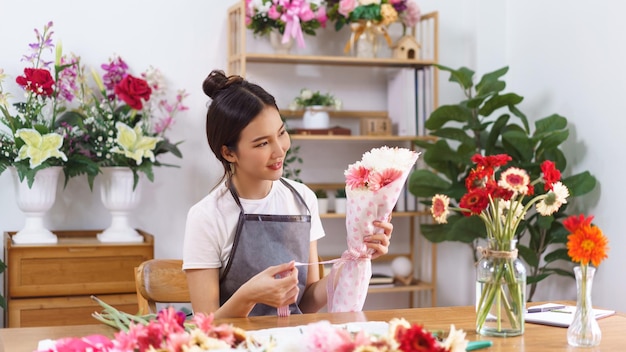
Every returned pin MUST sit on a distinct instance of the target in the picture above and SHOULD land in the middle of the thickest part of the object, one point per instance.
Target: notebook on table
(558, 314)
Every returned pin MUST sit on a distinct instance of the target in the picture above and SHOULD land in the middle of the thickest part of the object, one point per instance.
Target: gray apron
(262, 241)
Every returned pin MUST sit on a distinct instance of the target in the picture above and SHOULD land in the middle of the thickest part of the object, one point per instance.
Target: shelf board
(418, 286)
(339, 114)
(332, 60)
(348, 138)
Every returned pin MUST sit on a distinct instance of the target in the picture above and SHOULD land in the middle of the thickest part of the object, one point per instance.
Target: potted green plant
(489, 122)
(322, 200)
(316, 106)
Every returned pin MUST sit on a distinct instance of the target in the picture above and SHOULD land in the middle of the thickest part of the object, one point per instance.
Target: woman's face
(262, 147)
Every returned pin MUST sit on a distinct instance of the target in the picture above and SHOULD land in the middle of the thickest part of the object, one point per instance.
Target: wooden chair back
(160, 281)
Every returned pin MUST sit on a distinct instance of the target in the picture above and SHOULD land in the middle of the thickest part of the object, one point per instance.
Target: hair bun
(216, 81)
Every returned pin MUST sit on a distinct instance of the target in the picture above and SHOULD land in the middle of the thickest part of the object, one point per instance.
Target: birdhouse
(406, 48)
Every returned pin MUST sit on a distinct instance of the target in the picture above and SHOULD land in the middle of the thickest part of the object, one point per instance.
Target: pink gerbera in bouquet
(373, 186)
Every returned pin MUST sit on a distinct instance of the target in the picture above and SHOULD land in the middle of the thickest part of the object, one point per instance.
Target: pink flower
(321, 16)
(305, 13)
(378, 180)
(347, 6)
(203, 322)
(324, 337)
(412, 15)
(273, 13)
(95, 343)
(357, 176)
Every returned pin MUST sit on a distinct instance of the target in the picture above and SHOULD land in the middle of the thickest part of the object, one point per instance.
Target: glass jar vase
(584, 330)
(500, 290)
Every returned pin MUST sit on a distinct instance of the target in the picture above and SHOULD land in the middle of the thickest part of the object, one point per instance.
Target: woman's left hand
(380, 242)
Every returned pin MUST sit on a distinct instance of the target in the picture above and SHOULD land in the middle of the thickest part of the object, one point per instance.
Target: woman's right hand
(275, 286)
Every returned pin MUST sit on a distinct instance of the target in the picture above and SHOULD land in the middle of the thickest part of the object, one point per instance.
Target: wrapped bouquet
(373, 186)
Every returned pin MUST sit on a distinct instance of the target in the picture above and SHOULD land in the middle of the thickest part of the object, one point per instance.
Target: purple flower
(115, 72)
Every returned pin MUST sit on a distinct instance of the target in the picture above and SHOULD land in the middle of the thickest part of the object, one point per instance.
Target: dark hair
(235, 102)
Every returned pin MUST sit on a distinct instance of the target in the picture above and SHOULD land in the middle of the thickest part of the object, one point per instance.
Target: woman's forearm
(315, 296)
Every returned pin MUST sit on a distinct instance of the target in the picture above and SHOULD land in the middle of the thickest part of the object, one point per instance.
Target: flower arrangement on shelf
(384, 12)
(291, 18)
(170, 330)
(126, 118)
(586, 244)
(499, 200)
(38, 136)
(308, 98)
(371, 18)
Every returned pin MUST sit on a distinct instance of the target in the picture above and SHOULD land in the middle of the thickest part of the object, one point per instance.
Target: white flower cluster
(385, 157)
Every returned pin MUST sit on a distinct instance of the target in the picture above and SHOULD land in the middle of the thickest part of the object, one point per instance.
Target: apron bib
(262, 241)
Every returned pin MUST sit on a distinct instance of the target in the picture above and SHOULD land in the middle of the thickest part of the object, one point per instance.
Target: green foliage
(340, 193)
(488, 121)
(292, 158)
(321, 193)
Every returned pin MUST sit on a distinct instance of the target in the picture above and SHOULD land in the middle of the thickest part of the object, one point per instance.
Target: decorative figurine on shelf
(406, 48)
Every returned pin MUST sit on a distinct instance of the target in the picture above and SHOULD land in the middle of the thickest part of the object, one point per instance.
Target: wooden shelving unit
(427, 34)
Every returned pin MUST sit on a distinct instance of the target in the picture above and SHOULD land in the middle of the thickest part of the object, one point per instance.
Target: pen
(476, 345)
(543, 309)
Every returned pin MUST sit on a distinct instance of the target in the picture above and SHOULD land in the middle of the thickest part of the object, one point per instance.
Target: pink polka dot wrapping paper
(373, 186)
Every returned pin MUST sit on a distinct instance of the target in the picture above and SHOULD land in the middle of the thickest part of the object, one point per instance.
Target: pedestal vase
(120, 198)
(584, 330)
(34, 202)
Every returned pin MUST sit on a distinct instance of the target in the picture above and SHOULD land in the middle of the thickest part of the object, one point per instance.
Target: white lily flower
(133, 143)
(39, 148)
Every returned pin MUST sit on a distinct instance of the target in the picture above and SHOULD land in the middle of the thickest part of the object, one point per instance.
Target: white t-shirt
(211, 222)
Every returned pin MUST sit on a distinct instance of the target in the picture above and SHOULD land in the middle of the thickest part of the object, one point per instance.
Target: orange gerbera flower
(587, 244)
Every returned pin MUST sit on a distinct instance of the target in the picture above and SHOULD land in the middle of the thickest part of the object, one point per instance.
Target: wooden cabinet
(51, 284)
(239, 62)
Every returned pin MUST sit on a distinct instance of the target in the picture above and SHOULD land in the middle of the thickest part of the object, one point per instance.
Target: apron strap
(240, 222)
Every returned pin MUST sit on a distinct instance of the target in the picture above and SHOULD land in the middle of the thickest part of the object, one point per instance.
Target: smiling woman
(242, 240)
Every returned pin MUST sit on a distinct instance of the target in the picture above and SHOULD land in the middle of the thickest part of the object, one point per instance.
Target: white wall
(557, 63)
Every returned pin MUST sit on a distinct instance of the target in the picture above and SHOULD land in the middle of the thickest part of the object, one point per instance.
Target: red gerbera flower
(573, 222)
(416, 339)
(475, 200)
(491, 161)
(550, 174)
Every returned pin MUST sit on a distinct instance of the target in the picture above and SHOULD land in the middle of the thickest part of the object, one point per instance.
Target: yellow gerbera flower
(133, 144)
(39, 148)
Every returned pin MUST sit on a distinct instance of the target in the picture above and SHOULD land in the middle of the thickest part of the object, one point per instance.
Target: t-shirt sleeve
(201, 248)
(317, 230)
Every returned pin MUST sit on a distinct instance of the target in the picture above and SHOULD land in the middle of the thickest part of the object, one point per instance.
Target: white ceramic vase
(315, 117)
(340, 205)
(119, 197)
(35, 202)
(322, 205)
